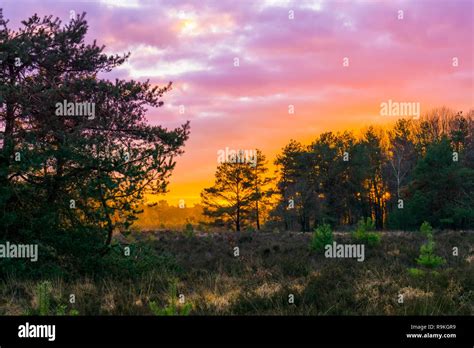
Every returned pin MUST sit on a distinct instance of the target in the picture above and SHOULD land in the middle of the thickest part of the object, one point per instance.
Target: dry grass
(271, 266)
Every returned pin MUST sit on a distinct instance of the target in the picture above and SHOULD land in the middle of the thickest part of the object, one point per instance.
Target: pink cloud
(282, 62)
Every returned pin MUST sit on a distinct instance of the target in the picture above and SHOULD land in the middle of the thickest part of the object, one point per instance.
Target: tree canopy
(86, 174)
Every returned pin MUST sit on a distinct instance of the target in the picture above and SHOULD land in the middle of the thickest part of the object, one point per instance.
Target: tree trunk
(258, 217)
(237, 220)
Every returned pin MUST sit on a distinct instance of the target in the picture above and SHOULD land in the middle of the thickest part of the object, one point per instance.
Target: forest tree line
(415, 171)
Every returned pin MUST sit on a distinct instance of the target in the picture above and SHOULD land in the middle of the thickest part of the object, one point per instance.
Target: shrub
(372, 238)
(61, 310)
(44, 307)
(367, 225)
(143, 258)
(43, 293)
(172, 308)
(430, 261)
(364, 232)
(426, 229)
(321, 237)
(189, 230)
(415, 272)
(427, 256)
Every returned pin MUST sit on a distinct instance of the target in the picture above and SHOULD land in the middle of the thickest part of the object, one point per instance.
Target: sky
(256, 73)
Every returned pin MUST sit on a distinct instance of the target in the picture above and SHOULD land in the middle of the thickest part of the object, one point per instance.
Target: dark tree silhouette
(67, 177)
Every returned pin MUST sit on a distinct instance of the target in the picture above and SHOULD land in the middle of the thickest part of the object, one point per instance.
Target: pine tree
(229, 200)
(78, 177)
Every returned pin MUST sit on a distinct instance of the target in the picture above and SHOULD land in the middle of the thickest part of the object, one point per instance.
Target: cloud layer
(288, 53)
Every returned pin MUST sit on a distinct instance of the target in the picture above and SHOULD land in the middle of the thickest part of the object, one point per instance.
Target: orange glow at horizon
(193, 174)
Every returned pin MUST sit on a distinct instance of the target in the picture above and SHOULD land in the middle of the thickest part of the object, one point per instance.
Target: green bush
(426, 229)
(367, 225)
(322, 236)
(43, 292)
(44, 306)
(61, 310)
(189, 230)
(430, 261)
(427, 256)
(364, 233)
(415, 272)
(142, 259)
(172, 308)
(372, 238)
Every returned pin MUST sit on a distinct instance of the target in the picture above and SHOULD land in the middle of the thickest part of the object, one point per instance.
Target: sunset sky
(282, 61)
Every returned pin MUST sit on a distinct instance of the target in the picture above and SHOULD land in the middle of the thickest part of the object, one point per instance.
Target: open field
(269, 268)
